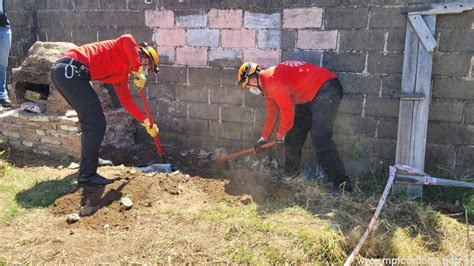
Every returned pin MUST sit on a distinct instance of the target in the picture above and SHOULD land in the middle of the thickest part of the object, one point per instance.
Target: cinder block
(439, 111)
(449, 133)
(202, 37)
(263, 57)
(385, 64)
(46, 18)
(469, 114)
(176, 74)
(166, 124)
(238, 38)
(311, 56)
(53, 4)
(269, 39)
(172, 108)
(193, 126)
(225, 130)
(344, 62)
(392, 86)
(191, 56)
(204, 75)
(351, 104)
(129, 19)
(386, 17)
(300, 18)
(227, 95)
(451, 65)
(169, 37)
(262, 21)
(455, 21)
(83, 36)
(142, 34)
(113, 5)
(355, 125)
(159, 18)
(225, 57)
(439, 156)
(238, 114)
(109, 34)
(194, 93)
(141, 5)
(186, 19)
(382, 106)
(465, 157)
(346, 17)
(229, 76)
(453, 88)
(252, 100)
(167, 54)
(310, 39)
(161, 90)
(86, 4)
(387, 128)
(59, 34)
(251, 133)
(204, 111)
(456, 41)
(288, 39)
(225, 18)
(201, 142)
(365, 40)
(360, 83)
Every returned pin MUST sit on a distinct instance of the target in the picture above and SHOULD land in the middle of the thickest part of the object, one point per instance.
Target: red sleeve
(130, 48)
(125, 97)
(282, 101)
(270, 118)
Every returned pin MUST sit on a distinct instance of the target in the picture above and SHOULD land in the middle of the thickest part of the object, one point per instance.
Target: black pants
(79, 93)
(317, 116)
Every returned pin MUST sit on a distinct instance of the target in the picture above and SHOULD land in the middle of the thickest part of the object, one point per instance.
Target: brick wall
(202, 42)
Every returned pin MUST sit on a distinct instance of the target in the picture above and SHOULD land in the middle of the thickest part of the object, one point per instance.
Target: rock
(126, 203)
(180, 189)
(103, 162)
(266, 160)
(186, 178)
(203, 154)
(246, 199)
(274, 164)
(184, 153)
(60, 167)
(87, 211)
(72, 218)
(106, 226)
(71, 113)
(219, 152)
(73, 165)
(132, 171)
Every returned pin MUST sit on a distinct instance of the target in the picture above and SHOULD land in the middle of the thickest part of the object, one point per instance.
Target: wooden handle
(243, 153)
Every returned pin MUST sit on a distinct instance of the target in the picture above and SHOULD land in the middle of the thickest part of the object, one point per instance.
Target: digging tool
(243, 153)
(33, 107)
(147, 110)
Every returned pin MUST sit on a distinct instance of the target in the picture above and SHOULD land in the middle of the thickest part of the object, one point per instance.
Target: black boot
(94, 180)
(6, 103)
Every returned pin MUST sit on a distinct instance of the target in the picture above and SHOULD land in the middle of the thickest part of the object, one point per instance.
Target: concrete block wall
(201, 43)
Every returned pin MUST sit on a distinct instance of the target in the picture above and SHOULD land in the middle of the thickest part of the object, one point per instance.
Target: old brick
(263, 57)
(56, 5)
(225, 130)
(85, 35)
(344, 62)
(141, 5)
(346, 17)
(201, 142)
(46, 18)
(385, 64)
(269, 39)
(176, 74)
(351, 104)
(225, 18)
(314, 57)
(396, 40)
(310, 39)
(355, 125)
(204, 75)
(229, 76)
(59, 35)
(262, 21)
(142, 34)
(288, 39)
(465, 156)
(453, 88)
(86, 4)
(191, 19)
(382, 107)
(251, 133)
(204, 111)
(366, 40)
(117, 4)
(202, 37)
(438, 111)
(167, 124)
(392, 86)
(159, 18)
(161, 90)
(451, 65)
(238, 38)
(193, 126)
(238, 114)
(387, 128)
(386, 17)
(360, 83)
(455, 21)
(252, 100)
(299, 18)
(456, 41)
(225, 57)
(193, 93)
(167, 54)
(191, 56)
(109, 34)
(469, 114)
(449, 133)
(439, 156)
(169, 37)
(53, 141)
(129, 19)
(227, 95)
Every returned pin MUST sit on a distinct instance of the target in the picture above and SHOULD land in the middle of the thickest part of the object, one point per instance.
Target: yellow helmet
(246, 70)
(149, 51)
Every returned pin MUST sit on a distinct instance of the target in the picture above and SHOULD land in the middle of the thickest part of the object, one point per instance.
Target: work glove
(280, 141)
(151, 130)
(139, 79)
(258, 146)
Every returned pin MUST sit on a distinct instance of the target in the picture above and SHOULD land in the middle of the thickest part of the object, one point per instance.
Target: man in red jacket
(307, 97)
(111, 62)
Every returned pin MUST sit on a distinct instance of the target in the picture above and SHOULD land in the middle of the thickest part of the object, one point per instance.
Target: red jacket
(111, 62)
(284, 86)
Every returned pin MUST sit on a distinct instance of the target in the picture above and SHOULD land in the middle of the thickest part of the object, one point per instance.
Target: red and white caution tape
(392, 172)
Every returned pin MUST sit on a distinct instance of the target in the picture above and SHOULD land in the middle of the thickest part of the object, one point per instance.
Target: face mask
(255, 91)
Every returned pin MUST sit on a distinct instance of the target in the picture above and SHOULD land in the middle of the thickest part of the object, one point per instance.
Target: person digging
(110, 61)
(307, 97)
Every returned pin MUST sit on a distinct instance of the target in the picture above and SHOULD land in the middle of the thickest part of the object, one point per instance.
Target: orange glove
(151, 130)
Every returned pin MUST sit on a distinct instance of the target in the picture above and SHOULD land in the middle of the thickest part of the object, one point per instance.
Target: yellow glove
(151, 130)
(139, 79)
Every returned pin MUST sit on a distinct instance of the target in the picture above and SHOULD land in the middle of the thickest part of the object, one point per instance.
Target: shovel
(243, 153)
